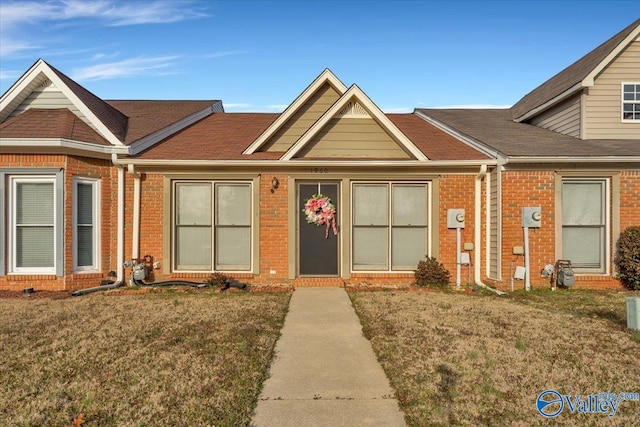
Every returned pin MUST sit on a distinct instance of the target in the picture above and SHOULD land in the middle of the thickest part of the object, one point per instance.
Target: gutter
(560, 159)
(477, 232)
(309, 163)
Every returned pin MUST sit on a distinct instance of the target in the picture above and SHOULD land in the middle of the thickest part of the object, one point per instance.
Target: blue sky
(259, 55)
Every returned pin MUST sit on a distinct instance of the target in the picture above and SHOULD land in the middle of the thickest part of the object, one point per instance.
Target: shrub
(627, 258)
(219, 280)
(431, 272)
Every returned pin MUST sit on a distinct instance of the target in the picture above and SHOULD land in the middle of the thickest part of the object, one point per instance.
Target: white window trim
(13, 182)
(622, 102)
(95, 192)
(252, 226)
(605, 269)
(429, 225)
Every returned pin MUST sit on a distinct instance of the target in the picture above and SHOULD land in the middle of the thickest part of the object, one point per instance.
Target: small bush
(627, 258)
(219, 280)
(431, 272)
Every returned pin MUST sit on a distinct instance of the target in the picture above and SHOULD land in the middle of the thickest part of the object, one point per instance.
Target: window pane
(628, 88)
(233, 204)
(629, 96)
(582, 203)
(371, 204)
(583, 246)
(84, 208)
(370, 248)
(193, 204)
(85, 246)
(34, 247)
(407, 247)
(34, 203)
(409, 205)
(193, 248)
(233, 248)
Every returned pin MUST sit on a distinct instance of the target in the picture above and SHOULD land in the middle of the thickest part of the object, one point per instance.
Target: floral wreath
(320, 211)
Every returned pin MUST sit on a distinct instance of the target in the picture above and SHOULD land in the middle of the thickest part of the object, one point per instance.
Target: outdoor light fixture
(274, 184)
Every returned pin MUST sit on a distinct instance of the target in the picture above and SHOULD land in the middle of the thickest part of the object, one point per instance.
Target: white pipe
(120, 231)
(527, 276)
(135, 235)
(458, 233)
(477, 232)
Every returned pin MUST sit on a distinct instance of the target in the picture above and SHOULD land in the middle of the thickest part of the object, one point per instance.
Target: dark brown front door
(318, 251)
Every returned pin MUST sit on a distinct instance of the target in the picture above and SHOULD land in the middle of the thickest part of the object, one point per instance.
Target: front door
(317, 243)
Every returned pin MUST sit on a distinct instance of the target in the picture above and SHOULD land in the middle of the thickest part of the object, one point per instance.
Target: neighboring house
(86, 184)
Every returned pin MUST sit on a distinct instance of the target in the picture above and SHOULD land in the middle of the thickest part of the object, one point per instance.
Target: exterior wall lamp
(274, 184)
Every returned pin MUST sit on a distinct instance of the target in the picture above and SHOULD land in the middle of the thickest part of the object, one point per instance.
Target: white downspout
(120, 230)
(477, 231)
(135, 238)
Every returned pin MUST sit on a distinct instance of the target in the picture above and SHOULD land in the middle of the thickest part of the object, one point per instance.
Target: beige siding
(603, 105)
(563, 118)
(302, 120)
(494, 229)
(353, 138)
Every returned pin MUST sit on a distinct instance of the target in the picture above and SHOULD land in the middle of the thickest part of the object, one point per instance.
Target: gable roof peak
(576, 76)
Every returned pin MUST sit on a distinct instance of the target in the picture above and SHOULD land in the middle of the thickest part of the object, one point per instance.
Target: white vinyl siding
(390, 226)
(563, 118)
(33, 225)
(631, 102)
(212, 226)
(86, 226)
(584, 223)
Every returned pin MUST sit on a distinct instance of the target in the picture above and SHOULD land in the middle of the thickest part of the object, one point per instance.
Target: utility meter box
(532, 217)
(455, 218)
(566, 277)
(633, 313)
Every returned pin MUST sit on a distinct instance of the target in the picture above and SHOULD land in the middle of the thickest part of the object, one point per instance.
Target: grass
(456, 359)
(196, 358)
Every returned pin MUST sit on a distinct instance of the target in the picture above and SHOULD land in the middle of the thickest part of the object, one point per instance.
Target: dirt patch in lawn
(153, 359)
(483, 360)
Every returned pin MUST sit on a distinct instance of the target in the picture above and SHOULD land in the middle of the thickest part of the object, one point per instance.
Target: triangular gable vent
(353, 110)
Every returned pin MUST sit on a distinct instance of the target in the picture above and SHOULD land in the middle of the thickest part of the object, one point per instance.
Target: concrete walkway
(325, 372)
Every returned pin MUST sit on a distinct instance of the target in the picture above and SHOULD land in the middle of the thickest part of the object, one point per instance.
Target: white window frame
(13, 194)
(390, 226)
(95, 192)
(214, 225)
(606, 244)
(635, 102)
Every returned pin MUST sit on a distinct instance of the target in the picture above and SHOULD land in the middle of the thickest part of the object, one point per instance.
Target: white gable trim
(25, 144)
(325, 77)
(590, 79)
(157, 136)
(42, 67)
(373, 110)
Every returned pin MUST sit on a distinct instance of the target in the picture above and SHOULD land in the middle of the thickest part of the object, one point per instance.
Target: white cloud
(9, 74)
(222, 54)
(275, 108)
(397, 109)
(125, 68)
(235, 105)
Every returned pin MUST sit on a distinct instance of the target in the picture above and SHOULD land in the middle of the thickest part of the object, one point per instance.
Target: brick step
(318, 282)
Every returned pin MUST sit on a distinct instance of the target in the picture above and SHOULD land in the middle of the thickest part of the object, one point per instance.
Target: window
(32, 234)
(85, 225)
(584, 223)
(390, 230)
(212, 226)
(630, 101)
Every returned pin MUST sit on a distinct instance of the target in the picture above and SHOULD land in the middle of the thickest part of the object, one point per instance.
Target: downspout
(477, 232)
(120, 229)
(135, 238)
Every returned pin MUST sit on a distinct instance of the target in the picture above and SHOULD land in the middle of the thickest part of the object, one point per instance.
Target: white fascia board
(309, 163)
(590, 79)
(550, 103)
(373, 110)
(19, 86)
(474, 143)
(157, 136)
(62, 143)
(560, 159)
(99, 126)
(324, 77)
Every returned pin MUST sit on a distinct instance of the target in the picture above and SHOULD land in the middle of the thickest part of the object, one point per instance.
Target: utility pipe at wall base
(96, 289)
(477, 232)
